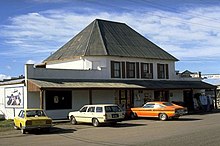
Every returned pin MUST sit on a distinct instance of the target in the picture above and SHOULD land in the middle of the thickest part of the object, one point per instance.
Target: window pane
(115, 69)
(147, 70)
(162, 71)
(130, 70)
(99, 109)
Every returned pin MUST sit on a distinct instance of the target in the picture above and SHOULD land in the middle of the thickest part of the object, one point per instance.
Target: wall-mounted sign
(14, 97)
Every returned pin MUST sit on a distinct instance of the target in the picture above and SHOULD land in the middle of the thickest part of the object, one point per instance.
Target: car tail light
(48, 122)
(28, 122)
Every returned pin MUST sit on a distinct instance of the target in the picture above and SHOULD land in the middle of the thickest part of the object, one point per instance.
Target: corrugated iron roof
(119, 84)
(12, 81)
(107, 38)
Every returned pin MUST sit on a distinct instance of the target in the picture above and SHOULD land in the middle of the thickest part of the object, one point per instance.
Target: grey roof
(119, 84)
(11, 82)
(107, 38)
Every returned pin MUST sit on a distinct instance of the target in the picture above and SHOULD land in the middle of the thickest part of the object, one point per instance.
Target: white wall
(46, 73)
(73, 64)
(80, 63)
(80, 98)
(91, 67)
(103, 96)
(10, 112)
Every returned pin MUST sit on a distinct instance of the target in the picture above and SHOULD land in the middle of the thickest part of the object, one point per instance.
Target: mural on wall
(14, 97)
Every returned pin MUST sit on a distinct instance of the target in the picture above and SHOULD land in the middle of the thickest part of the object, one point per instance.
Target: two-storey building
(107, 62)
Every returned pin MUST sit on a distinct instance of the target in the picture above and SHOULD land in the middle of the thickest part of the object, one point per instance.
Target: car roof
(157, 102)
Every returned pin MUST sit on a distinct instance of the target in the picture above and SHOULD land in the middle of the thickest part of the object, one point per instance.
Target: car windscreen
(167, 104)
(112, 109)
(35, 113)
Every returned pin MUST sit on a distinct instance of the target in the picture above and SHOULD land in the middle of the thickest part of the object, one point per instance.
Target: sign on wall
(14, 97)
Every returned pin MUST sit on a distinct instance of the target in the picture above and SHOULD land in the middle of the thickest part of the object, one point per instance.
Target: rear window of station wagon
(109, 109)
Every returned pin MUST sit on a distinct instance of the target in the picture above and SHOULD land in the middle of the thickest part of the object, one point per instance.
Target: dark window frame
(147, 70)
(130, 68)
(162, 71)
(115, 69)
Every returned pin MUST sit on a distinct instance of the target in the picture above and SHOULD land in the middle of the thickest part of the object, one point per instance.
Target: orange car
(162, 110)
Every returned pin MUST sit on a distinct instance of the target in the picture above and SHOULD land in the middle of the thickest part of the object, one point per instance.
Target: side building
(107, 62)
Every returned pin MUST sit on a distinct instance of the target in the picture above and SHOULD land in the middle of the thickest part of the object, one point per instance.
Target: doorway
(188, 99)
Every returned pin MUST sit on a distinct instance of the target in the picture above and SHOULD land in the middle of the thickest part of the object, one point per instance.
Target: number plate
(39, 122)
(115, 115)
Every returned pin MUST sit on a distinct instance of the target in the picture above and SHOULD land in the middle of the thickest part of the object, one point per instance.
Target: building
(107, 62)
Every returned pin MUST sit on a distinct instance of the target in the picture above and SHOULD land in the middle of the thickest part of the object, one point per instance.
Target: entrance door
(188, 99)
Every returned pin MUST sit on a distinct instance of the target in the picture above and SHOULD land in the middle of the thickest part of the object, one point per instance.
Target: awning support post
(90, 96)
(41, 99)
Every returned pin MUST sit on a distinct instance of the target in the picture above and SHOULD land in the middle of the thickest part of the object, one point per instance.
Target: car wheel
(23, 131)
(73, 120)
(163, 117)
(133, 115)
(95, 122)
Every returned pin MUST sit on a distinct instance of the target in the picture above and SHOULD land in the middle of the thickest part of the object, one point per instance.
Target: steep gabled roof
(107, 38)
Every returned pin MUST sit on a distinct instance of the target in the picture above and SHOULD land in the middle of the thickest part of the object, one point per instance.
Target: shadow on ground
(53, 130)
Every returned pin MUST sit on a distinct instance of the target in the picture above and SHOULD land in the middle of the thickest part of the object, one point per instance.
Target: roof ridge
(101, 37)
(87, 44)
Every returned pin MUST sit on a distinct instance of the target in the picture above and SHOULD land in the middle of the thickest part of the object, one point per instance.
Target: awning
(40, 84)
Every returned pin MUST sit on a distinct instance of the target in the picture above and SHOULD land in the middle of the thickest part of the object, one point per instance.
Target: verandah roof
(117, 84)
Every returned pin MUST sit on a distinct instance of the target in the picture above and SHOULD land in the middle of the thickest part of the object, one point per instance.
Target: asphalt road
(190, 130)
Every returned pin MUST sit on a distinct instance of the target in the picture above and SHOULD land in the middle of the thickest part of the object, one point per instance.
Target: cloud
(184, 34)
(30, 62)
(2, 77)
(8, 67)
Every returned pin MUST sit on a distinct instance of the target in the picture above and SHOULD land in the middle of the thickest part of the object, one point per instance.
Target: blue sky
(30, 30)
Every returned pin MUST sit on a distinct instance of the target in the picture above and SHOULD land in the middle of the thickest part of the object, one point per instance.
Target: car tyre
(73, 120)
(95, 122)
(23, 131)
(163, 117)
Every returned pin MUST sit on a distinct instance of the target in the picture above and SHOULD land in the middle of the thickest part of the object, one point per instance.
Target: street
(202, 130)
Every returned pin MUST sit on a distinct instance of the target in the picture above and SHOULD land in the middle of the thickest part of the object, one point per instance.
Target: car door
(147, 110)
(18, 120)
(89, 114)
(81, 115)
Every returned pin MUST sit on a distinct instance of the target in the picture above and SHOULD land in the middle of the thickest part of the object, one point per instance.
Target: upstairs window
(115, 69)
(162, 71)
(130, 69)
(147, 70)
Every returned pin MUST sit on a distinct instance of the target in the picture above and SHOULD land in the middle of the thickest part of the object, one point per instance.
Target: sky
(31, 30)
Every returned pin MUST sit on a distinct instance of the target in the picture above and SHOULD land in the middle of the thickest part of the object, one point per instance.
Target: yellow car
(29, 119)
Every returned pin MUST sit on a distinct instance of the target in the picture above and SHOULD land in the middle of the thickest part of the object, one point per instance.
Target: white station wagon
(96, 114)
